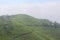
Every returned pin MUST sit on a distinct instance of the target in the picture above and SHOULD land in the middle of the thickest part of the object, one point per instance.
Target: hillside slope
(25, 27)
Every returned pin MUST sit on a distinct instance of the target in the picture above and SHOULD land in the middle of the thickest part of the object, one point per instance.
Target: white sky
(45, 10)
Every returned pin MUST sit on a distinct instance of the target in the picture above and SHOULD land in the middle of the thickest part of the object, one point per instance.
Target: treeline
(23, 27)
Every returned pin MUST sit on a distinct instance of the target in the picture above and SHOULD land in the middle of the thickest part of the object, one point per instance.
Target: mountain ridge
(25, 27)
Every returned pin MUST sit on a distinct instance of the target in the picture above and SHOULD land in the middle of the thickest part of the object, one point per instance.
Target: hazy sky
(47, 9)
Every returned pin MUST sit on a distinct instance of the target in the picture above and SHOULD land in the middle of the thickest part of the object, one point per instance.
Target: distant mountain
(25, 27)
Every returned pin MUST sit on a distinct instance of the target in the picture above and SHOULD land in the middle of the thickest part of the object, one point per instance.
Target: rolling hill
(25, 27)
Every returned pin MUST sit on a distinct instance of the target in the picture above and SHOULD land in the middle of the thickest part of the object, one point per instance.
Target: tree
(56, 25)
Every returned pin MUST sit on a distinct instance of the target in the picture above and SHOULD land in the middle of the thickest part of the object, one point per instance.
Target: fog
(44, 10)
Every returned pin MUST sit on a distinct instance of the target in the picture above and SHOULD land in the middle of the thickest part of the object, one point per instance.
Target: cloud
(49, 10)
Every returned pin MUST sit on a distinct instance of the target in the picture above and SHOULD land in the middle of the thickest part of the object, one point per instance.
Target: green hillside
(25, 27)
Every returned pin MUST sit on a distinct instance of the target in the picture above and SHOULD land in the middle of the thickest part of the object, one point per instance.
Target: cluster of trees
(11, 29)
(26, 28)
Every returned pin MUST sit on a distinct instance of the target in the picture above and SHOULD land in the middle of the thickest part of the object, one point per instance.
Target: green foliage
(24, 27)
